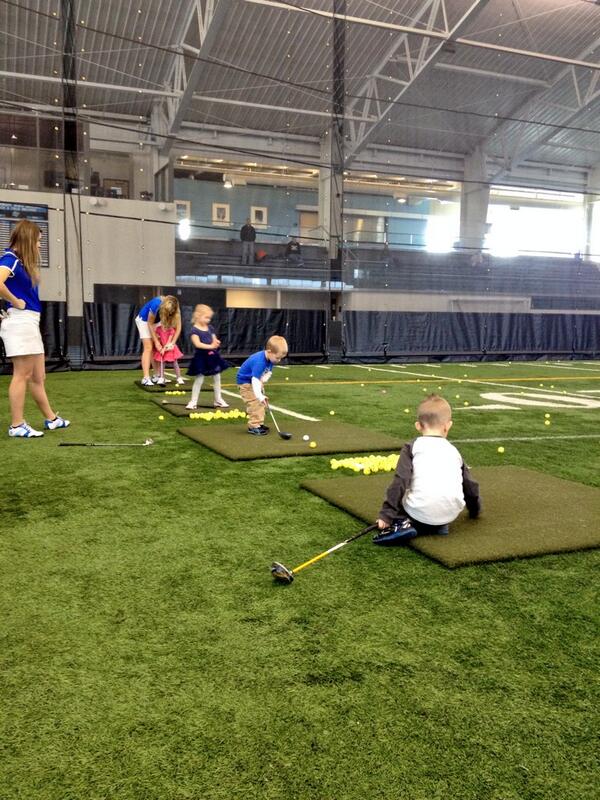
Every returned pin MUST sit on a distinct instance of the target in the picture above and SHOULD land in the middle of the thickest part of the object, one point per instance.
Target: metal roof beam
(210, 15)
(113, 87)
(417, 65)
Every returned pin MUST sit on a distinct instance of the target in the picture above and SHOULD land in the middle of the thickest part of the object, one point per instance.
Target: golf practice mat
(173, 386)
(551, 515)
(234, 441)
(177, 405)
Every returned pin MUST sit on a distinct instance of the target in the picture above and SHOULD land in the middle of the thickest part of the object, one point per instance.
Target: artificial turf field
(146, 653)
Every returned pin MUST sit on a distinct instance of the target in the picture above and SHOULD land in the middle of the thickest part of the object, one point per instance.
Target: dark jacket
(392, 505)
(248, 234)
(293, 249)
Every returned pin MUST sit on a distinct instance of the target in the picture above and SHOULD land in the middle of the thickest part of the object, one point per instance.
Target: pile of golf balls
(211, 416)
(367, 464)
(175, 392)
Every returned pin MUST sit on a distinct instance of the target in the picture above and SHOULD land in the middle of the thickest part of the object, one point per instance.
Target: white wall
(122, 241)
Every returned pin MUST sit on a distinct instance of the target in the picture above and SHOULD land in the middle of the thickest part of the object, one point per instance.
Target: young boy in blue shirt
(251, 378)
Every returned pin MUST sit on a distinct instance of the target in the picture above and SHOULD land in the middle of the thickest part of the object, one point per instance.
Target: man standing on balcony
(248, 237)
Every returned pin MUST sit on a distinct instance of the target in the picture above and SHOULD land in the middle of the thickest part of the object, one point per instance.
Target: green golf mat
(177, 405)
(235, 443)
(172, 386)
(525, 513)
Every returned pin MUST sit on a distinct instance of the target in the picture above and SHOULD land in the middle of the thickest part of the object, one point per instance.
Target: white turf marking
(321, 366)
(280, 410)
(468, 381)
(489, 407)
(588, 391)
(529, 438)
(469, 366)
(565, 366)
(280, 366)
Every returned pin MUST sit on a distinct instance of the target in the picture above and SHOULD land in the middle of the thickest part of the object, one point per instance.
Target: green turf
(551, 516)
(328, 435)
(173, 387)
(146, 653)
(177, 405)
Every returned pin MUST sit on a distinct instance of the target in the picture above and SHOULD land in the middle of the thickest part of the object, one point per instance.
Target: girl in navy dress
(20, 330)
(207, 359)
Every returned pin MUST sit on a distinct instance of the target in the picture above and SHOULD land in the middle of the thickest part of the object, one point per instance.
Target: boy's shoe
(264, 428)
(397, 534)
(147, 382)
(180, 381)
(24, 431)
(221, 404)
(57, 422)
(260, 431)
(191, 406)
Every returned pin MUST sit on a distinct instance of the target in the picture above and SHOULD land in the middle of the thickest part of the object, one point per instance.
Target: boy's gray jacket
(392, 505)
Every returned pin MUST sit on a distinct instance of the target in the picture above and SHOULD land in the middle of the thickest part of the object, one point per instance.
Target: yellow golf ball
(312, 444)
(547, 416)
(287, 379)
(500, 449)
(407, 410)
(160, 416)
(332, 413)
(546, 422)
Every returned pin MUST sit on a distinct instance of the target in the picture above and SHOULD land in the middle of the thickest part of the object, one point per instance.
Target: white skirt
(20, 332)
(143, 328)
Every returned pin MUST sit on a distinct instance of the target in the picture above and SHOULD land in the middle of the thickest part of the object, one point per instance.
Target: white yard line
(471, 381)
(279, 409)
(529, 438)
(588, 391)
(565, 366)
(321, 366)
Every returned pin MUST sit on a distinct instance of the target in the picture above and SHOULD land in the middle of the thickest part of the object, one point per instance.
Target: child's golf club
(283, 574)
(147, 443)
(282, 434)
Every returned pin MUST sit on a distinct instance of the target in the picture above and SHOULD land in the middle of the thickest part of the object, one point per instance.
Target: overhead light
(401, 199)
(182, 157)
(184, 229)
(227, 182)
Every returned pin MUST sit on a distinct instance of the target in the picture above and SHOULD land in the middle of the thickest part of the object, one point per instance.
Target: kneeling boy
(251, 378)
(432, 483)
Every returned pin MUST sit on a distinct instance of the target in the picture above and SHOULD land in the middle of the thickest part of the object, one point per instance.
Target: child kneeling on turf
(432, 483)
(251, 378)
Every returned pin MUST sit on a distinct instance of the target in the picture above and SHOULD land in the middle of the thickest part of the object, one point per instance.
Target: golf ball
(312, 444)
(306, 437)
(407, 410)
(500, 449)
(332, 413)
(160, 416)
(287, 379)
(547, 416)
(546, 422)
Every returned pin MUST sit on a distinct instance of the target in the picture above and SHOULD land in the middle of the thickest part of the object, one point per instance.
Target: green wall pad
(176, 405)
(235, 443)
(525, 513)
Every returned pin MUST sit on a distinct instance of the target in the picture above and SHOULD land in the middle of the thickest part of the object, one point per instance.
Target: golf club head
(281, 573)
(285, 436)
(148, 442)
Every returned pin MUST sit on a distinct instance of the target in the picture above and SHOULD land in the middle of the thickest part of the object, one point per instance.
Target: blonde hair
(277, 345)
(169, 313)
(24, 242)
(201, 310)
(434, 411)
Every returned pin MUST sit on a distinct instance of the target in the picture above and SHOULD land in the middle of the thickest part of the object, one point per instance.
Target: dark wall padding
(53, 326)
(447, 334)
(110, 330)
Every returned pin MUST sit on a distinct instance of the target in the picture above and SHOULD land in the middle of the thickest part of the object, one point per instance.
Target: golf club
(283, 574)
(147, 443)
(282, 434)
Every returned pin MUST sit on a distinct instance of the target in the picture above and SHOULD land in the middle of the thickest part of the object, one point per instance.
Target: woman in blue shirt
(146, 321)
(20, 329)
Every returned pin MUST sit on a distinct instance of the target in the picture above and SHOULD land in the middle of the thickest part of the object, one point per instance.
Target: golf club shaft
(98, 444)
(334, 548)
(273, 418)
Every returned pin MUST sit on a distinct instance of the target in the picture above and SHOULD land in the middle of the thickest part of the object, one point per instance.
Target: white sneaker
(180, 381)
(160, 381)
(24, 431)
(191, 406)
(147, 382)
(53, 424)
(221, 404)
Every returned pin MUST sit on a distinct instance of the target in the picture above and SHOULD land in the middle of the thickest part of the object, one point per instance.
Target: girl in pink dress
(165, 346)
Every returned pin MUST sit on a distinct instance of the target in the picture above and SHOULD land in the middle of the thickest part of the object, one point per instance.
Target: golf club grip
(364, 532)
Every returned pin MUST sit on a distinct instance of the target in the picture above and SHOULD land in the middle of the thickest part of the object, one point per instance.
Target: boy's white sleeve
(266, 376)
(257, 387)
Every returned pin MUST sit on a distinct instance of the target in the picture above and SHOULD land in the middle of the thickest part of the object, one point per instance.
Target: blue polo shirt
(151, 306)
(254, 367)
(19, 282)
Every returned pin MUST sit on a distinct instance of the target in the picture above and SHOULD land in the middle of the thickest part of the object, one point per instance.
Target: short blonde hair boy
(434, 411)
(277, 345)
